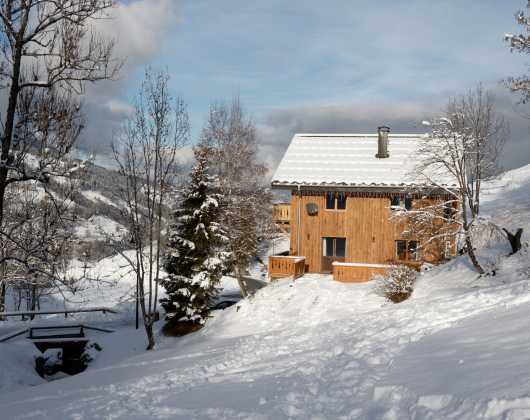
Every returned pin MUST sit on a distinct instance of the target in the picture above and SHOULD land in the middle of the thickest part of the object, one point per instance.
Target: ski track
(307, 369)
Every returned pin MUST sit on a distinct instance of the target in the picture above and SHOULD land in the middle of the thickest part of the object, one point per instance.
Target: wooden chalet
(344, 190)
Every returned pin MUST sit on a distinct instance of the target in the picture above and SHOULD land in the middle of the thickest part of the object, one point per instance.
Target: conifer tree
(194, 260)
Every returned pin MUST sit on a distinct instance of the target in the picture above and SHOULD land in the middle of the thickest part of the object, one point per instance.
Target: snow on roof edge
(396, 135)
(291, 184)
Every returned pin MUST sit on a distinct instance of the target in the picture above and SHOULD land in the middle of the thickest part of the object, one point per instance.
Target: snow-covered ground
(317, 349)
(99, 228)
(96, 196)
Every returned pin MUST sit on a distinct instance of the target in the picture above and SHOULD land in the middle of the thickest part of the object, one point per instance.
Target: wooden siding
(366, 223)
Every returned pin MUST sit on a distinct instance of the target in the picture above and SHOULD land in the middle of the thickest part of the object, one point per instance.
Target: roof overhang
(395, 189)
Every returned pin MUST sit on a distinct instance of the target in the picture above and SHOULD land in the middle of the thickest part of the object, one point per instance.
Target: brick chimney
(382, 142)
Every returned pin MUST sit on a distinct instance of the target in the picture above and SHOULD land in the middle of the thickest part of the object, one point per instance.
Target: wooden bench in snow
(69, 338)
(57, 333)
(24, 314)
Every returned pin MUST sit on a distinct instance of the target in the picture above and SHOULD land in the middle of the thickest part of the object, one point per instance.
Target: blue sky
(277, 53)
(333, 65)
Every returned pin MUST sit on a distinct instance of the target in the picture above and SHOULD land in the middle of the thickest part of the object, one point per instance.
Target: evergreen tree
(194, 260)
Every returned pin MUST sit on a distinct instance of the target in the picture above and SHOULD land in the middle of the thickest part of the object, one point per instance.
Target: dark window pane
(341, 201)
(340, 247)
(408, 203)
(448, 211)
(395, 201)
(413, 250)
(327, 247)
(330, 201)
(401, 250)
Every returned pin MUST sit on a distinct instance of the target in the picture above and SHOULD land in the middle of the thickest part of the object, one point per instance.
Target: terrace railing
(286, 266)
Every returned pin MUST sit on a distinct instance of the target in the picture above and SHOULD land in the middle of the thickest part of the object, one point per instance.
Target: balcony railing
(360, 272)
(281, 213)
(286, 266)
(357, 272)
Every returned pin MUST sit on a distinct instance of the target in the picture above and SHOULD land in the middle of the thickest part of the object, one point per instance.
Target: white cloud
(119, 108)
(140, 28)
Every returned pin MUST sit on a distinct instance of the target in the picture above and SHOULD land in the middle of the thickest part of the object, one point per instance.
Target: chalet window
(412, 250)
(334, 247)
(341, 201)
(406, 250)
(340, 247)
(401, 250)
(449, 211)
(335, 201)
(330, 201)
(401, 202)
(328, 247)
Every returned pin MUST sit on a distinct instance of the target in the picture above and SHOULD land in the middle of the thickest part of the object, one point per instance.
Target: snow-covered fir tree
(195, 260)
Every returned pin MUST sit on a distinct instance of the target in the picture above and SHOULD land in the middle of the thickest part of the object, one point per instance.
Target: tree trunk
(149, 331)
(33, 298)
(515, 240)
(2, 299)
(472, 256)
(241, 282)
(147, 317)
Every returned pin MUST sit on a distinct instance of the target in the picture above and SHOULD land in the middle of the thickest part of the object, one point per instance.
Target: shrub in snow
(92, 350)
(398, 285)
(49, 363)
(194, 260)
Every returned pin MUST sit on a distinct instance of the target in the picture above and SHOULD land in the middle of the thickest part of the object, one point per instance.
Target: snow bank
(17, 367)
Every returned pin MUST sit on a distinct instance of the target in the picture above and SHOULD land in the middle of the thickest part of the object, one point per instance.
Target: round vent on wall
(312, 209)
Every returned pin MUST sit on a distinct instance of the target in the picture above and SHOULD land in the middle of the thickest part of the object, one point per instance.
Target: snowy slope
(317, 349)
(99, 228)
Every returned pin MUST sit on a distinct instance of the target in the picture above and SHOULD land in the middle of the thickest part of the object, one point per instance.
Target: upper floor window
(341, 201)
(403, 202)
(449, 211)
(335, 201)
(330, 201)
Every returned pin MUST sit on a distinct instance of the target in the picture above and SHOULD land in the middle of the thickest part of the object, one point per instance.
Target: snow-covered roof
(349, 160)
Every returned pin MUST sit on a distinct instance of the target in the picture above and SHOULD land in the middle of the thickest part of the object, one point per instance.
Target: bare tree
(520, 43)
(48, 46)
(37, 240)
(49, 52)
(48, 124)
(232, 141)
(146, 153)
(463, 149)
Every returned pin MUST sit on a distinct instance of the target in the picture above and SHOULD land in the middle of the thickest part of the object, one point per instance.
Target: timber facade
(357, 227)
